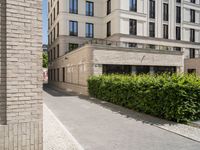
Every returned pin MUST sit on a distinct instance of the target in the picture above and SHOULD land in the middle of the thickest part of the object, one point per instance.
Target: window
(165, 12)
(152, 29)
(192, 15)
(73, 28)
(89, 30)
(177, 49)
(54, 34)
(164, 69)
(193, 1)
(51, 55)
(142, 69)
(58, 30)
(108, 7)
(119, 69)
(58, 51)
(133, 27)
(63, 70)
(178, 33)
(51, 20)
(51, 37)
(73, 6)
(152, 9)
(178, 1)
(54, 74)
(109, 29)
(54, 14)
(54, 53)
(89, 8)
(192, 35)
(58, 8)
(72, 46)
(165, 31)
(58, 75)
(192, 71)
(133, 5)
(131, 45)
(178, 14)
(192, 53)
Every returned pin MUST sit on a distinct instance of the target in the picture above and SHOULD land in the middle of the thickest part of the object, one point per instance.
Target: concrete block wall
(21, 75)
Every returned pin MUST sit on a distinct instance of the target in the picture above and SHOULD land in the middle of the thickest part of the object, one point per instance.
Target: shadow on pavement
(128, 113)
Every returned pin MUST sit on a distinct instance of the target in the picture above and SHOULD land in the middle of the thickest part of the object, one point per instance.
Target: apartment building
(120, 36)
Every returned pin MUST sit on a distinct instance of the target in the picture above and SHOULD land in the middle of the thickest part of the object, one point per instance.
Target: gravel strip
(56, 136)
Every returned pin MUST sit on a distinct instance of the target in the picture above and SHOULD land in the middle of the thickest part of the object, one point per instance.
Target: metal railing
(129, 45)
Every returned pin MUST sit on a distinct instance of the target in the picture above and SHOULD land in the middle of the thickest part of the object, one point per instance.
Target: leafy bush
(174, 97)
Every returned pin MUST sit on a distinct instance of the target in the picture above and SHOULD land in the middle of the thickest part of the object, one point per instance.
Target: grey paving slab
(98, 125)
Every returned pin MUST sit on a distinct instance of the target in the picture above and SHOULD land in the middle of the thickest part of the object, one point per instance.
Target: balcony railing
(129, 45)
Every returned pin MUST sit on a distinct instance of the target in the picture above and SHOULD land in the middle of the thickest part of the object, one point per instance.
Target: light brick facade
(71, 71)
(192, 65)
(20, 75)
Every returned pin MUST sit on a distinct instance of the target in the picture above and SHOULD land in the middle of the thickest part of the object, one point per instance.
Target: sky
(45, 22)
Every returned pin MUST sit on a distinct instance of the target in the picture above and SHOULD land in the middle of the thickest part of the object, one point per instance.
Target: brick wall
(21, 91)
(192, 64)
(2, 63)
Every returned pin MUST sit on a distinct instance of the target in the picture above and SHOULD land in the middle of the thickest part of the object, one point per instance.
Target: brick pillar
(21, 75)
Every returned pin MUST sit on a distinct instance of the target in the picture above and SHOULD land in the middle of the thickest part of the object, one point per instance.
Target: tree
(45, 59)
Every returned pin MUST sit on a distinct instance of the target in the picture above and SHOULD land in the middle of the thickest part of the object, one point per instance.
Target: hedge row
(173, 97)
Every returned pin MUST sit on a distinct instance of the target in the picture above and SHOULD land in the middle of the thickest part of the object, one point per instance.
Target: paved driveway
(99, 125)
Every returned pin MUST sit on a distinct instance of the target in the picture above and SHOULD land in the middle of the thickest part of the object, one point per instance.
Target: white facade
(119, 17)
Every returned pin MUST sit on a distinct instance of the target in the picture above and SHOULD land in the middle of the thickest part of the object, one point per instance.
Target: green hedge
(173, 97)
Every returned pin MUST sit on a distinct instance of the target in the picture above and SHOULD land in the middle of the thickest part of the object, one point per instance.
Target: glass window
(89, 8)
(165, 12)
(165, 31)
(73, 28)
(58, 7)
(152, 29)
(133, 27)
(192, 35)
(178, 33)
(73, 6)
(89, 30)
(178, 14)
(192, 15)
(108, 7)
(152, 9)
(133, 5)
(192, 53)
(72, 46)
(109, 29)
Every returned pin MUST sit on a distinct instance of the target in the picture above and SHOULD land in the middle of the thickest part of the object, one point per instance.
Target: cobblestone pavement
(56, 136)
(99, 125)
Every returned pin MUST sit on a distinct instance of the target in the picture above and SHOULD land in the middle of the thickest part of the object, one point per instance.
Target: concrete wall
(21, 75)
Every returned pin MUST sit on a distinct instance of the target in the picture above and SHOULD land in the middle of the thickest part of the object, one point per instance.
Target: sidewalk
(56, 137)
(99, 125)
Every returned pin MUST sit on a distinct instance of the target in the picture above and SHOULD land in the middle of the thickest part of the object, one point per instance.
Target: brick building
(20, 75)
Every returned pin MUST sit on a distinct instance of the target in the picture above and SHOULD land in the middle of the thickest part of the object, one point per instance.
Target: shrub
(174, 97)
